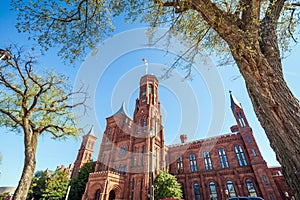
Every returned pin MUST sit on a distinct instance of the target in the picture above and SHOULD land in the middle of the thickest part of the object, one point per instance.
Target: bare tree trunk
(31, 141)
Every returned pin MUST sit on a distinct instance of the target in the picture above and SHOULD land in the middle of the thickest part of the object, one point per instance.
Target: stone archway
(112, 195)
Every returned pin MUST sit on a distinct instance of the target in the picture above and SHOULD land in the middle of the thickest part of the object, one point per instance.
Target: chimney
(183, 138)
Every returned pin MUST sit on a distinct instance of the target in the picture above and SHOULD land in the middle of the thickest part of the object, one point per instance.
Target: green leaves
(56, 186)
(46, 186)
(41, 103)
(79, 182)
(166, 186)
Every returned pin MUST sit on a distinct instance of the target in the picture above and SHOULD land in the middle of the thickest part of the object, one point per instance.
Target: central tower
(149, 140)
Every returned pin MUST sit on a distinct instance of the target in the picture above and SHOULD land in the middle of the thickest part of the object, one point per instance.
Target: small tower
(85, 152)
(238, 112)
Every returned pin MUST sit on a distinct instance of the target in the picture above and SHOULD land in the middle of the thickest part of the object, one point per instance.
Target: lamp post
(152, 136)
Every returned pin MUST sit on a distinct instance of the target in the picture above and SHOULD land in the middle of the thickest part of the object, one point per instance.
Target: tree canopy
(79, 182)
(45, 185)
(38, 185)
(255, 34)
(56, 185)
(166, 186)
(35, 104)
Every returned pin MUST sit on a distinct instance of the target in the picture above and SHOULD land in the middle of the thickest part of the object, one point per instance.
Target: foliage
(35, 104)
(79, 182)
(49, 186)
(3, 195)
(79, 25)
(166, 186)
(38, 185)
(56, 186)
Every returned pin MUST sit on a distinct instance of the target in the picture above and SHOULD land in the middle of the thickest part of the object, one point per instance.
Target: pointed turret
(238, 112)
(122, 110)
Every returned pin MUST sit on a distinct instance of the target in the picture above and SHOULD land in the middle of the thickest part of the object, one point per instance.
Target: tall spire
(238, 112)
(233, 101)
(91, 132)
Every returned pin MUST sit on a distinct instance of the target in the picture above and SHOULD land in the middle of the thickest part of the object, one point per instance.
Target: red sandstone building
(132, 151)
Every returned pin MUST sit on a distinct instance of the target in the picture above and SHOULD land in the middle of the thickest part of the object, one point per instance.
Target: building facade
(132, 152)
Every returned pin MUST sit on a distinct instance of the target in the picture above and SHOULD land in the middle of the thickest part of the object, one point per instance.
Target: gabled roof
(233, 101)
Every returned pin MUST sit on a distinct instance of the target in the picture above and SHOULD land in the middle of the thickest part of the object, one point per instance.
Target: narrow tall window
(134, 156)
(180, 165)
(230, 188)
(150, 89)
(197, 191)
(120, 169)
(265, 180)
(139, 127)
(207, 161)
(241, 119)
(213, 191)
(223, 158)
(254, 152)
(145, 124)
(143, 154)
(124, 170)
(251, 188)
(240, 155)
(193, 163)
(249, 139)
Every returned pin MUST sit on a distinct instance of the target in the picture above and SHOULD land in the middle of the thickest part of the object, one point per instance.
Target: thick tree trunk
(254, 47)
(276, 108)
(31, 141)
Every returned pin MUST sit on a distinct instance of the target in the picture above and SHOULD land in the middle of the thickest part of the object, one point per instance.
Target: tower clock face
(123, 150)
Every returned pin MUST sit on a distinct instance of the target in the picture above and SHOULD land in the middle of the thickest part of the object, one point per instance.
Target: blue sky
(119, 82)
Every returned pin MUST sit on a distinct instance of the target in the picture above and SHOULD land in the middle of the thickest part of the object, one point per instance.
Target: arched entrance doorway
(112, 195)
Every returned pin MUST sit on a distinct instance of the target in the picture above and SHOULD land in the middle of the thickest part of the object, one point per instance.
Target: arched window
(207, 161)
(251, 188)
(197, 191)
(213, 191)
(240, 155)
(180, 165)
(223, 158)
(230, 188)
(193, 163)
